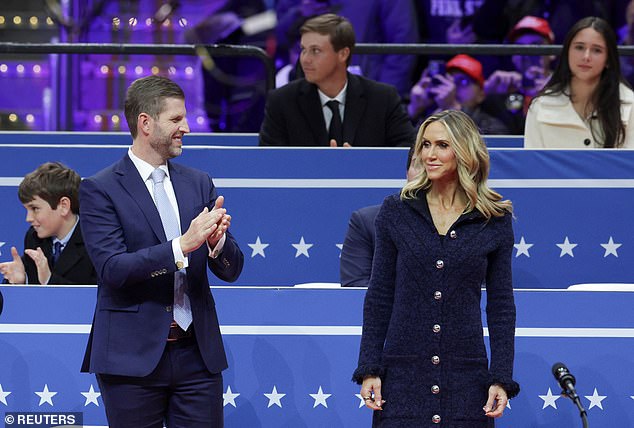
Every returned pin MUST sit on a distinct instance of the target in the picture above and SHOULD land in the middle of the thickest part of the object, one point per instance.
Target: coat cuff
(511, 387)
(364, 371)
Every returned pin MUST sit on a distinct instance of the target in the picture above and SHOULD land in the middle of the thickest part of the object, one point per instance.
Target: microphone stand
(575, 399)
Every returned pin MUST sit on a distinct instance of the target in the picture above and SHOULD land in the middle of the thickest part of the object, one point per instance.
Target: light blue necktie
(182, 306)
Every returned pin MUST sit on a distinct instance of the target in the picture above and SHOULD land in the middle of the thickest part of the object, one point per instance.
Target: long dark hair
(605, 99)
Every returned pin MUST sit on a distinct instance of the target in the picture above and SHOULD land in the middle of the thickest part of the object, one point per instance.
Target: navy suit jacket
(355, 265)
(373, 116)
(135, 264)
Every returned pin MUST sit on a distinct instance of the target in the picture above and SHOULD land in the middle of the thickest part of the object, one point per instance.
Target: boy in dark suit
(54, 250)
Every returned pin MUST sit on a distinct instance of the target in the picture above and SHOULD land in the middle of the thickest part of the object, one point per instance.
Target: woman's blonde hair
(472, 158)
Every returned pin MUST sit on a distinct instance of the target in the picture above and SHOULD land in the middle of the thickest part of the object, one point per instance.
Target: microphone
(565, 379)
(567, 382)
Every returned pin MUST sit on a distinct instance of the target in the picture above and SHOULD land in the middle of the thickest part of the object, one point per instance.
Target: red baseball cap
(532, 24)
(468, 65)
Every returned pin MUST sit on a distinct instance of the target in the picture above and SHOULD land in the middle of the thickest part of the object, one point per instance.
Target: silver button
(436, 328)
(435, 360)
(437, 295)
(435, 419)
(435, 389)
(453, 234)
(168, 309)
(440, 264)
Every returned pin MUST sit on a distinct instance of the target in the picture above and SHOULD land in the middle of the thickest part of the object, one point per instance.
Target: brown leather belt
(177, 334)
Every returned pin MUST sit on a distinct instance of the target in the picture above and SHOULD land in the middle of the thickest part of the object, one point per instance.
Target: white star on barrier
(91, 396)
(320, 398)
(508, 404)
(522, 248)
(302, 248)
(229, 397)
(549, 399)
(1, 244)
(340, 246)
(566, 248)
(274, 398)
(596, 399)
(258, 248)
(361, 400)
(3, 395)
(611, 247)
(46, 396)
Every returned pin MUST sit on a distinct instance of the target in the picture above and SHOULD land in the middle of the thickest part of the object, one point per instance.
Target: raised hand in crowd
(460, 33)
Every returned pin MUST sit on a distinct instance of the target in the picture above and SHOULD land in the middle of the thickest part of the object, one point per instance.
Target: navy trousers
(180, 393)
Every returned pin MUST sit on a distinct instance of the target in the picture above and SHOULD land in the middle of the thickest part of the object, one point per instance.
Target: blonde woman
(423, 359)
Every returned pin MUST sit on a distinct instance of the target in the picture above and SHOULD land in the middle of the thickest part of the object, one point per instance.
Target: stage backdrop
(292, 353)
(290, 206)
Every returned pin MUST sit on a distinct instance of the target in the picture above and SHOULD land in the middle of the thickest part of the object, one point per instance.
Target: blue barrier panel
(299, 341)
(573, 208)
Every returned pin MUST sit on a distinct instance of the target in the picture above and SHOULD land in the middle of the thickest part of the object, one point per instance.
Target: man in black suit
(357, 253)
(54, 250)
(329, 106)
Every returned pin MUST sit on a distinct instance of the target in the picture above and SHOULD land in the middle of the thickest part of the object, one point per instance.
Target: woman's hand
(371, 393)
(494, 408)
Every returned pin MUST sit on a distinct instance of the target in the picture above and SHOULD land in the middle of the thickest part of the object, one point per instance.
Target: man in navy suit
(155, 343)
(357, 253)
(329, 106)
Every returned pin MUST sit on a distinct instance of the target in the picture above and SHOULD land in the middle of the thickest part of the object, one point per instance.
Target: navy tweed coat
(422, 323)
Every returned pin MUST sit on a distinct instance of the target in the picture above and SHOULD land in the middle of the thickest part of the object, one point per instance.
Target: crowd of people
(150, 227)
(495, 91)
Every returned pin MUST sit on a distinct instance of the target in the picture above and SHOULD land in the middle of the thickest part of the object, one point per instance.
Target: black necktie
(335, 132)
(57, 250)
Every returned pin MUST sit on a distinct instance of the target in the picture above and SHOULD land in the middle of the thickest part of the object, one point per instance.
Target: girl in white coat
(587, 102)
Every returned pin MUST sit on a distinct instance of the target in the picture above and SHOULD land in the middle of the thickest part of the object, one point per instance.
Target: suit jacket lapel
(132, 182)
(355, 106)
(309, 104)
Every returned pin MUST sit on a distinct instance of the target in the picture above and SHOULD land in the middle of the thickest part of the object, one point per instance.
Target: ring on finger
(367, 398)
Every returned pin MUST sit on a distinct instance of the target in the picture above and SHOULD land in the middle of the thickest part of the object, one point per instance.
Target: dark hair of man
(146, 95)
(51, 181)
(606, 100)
(338, 28)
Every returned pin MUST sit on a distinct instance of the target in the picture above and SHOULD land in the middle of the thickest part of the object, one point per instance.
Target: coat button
(437, 295)
(435, 419)
(436, 328)
(435, 389)
(440, 264)
(168, 309)
(453, 234)
(587, 141)
(435, 360)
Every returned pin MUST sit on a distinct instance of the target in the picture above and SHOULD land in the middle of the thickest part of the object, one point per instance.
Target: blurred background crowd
(84, 92)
